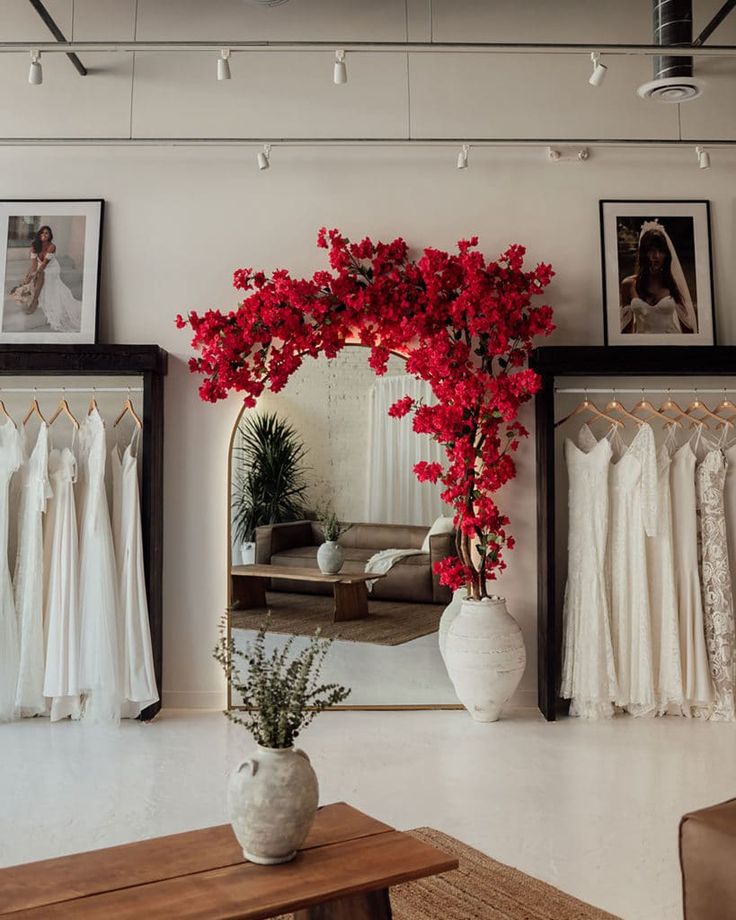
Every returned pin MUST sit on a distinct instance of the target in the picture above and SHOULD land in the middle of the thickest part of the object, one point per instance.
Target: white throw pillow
(441, 525)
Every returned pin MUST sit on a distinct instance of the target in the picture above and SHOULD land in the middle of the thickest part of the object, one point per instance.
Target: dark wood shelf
(83, 359)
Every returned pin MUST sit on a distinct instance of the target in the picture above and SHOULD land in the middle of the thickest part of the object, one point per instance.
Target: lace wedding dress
(633, 517)
(10, 460)
(27, 583)
(62, 310)
(588, 672)
(697, 687)
(720, 632)
(663, 593)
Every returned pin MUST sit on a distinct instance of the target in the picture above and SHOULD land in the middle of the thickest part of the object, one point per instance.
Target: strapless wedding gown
(655, 318)
(62, 310)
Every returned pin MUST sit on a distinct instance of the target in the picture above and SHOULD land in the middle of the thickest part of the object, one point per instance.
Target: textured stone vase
(448, 618)
(485, 656)
(272, 799)
(330, 557)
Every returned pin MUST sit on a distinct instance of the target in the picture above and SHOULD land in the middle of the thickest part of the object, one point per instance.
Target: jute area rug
(483, 889)
(387, 623)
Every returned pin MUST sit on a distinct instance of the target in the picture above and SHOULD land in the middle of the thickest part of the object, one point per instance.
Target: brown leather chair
(412, 579)
(708, 862)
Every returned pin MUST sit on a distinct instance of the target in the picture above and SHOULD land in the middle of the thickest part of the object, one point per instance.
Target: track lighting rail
(367, 47)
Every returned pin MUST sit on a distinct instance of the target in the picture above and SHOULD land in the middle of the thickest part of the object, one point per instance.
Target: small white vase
(272, 799)
(248, 553)
(485, 656)
(330, 557)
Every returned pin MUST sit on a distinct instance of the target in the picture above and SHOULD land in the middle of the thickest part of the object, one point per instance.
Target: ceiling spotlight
(462, 157)
(264, 157)
(35, 74)
(340, 73)
(223, 65)
(599, 70)
(703, 157)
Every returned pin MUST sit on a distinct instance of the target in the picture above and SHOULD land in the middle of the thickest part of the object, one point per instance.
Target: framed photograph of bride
(657, 273)
(50, 269)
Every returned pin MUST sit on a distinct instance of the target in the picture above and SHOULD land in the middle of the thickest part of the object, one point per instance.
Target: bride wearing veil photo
(656, 298)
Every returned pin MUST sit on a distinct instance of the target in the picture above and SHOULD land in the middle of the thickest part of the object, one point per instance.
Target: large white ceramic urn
(485, 656)
(272, 799)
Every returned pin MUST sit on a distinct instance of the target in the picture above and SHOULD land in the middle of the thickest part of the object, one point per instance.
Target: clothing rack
(599, 364)
(71, 389)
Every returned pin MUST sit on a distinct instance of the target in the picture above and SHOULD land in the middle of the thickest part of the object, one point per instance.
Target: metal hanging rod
(337, 142)
(71, 389)
(614, 391)
(368, 47)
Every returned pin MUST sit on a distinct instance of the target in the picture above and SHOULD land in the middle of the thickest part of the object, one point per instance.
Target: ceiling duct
(673, 75)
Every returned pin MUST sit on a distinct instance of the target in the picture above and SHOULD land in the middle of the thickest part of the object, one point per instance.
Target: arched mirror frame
(364, 707)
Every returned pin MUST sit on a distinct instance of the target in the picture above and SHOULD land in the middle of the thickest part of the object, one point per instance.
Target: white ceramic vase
(448, 618)
(272, 799)
(485, 656)
(330, 557)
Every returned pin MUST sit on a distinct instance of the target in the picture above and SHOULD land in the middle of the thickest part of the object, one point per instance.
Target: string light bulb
(599, 70)
(223, 65)
(264, 157)
(35, 73)
(340, 72)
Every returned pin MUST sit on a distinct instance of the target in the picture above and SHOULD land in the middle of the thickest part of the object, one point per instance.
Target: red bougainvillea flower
(464, 324)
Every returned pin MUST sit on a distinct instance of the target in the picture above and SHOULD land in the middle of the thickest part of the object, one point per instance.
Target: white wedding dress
(62, 310)
(137, 671)
(27, 581)
(61, 677)
(10, 460)
(99, 656)
(663, 593)
(588, 671)
(633, 517)
(655, 318)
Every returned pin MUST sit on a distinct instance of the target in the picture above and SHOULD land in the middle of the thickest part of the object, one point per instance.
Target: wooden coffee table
(249, 583)
(343, 871)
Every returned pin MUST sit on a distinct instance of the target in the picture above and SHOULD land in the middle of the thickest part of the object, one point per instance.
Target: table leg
(351, 601)
(372, 905)
(248, 591)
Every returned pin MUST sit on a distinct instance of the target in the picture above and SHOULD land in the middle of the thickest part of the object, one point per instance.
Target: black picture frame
(15, 256)
(688, 220)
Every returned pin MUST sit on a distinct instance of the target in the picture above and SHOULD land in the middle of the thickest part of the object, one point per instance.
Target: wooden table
(343, 872)
(249, 583)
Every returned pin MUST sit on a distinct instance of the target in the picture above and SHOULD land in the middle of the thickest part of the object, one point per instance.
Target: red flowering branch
(465, 325)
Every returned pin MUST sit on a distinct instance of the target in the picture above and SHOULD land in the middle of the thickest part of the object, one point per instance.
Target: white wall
(179, 220)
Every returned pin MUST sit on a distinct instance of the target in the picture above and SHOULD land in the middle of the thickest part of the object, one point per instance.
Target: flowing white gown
(138, 676)
(697, 687)
(99, 657)
(62, 310)
(61, 678)
(720, 630)
(633, 517)
(27, 583)
(10, 460)
(588, 672)
(655, 318)
(663, 593)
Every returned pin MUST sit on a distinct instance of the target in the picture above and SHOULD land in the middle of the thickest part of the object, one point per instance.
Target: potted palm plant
(269, 481)
(273, 796)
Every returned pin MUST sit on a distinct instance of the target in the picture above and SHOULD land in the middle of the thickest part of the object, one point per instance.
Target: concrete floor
(592, 808)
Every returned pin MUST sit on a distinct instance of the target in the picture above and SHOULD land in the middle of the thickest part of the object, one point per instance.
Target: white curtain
(395, 496)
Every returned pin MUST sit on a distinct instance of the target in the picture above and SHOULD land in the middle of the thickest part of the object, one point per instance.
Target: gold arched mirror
(325, 443)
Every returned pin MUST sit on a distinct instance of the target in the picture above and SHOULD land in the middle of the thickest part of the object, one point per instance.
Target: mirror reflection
(330, 528)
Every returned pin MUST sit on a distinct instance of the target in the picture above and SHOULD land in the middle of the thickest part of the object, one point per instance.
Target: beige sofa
(411, 579)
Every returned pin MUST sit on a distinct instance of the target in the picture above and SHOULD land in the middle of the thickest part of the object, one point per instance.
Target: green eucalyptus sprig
(281, 694)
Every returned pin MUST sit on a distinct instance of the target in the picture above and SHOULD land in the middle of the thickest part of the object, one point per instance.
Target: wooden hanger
(615, 406)
(63, 409)
(698, 405)
(723, 406)
(587, 406)
(128, 407)
(645, 406)
(92, 405)
(6, 413)
(34, 410)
